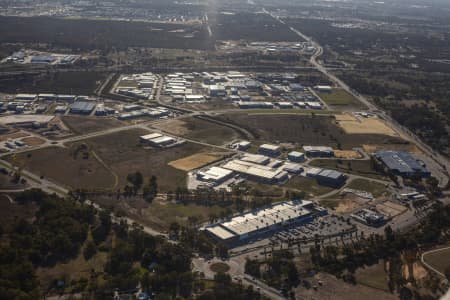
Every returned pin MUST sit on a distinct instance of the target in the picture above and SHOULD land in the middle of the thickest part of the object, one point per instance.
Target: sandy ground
(334, 289)
(14, 135)
(347, 154)
(195, 161)
(354, 125)
(349, 204)
(391, 209)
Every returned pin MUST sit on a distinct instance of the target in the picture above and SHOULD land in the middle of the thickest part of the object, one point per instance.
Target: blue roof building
(402, 163)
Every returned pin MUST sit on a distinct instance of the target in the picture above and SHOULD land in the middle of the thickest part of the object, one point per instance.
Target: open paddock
(361, 125)
(85, 124)
(196, 161)
(314, 129)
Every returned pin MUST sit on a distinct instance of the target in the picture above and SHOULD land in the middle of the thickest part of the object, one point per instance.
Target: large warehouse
(402, 163)
(263, 221)
(257, 172)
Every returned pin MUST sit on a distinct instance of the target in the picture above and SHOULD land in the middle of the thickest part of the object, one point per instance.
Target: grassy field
(84, 124)
(123, 153)
(307, 185)
(60, 165)
(339, 97)
(373, 276)
(439, 260)
(302, 130)
(357, 167)
(375, 188)
(83, 34)
(77, 82)
(200, 130)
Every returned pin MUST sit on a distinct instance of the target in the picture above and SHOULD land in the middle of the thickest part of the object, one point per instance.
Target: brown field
(15, 135)
(123, 154)
(404, 147)
(390, 209)
(60, 165)
(361, 125)
(303, 130)
(343, 203)
(86, 124)
(347, 154)
(200, 130)
(196, 161)
(33, 141)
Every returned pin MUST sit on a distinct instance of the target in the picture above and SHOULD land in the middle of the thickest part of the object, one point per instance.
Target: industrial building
(270, 150)
(263, 222)
(369, 217)
(243, 145)
(295, 156)
(215, 175)
(323, 88)
(159, 140)
(25, 97)
(82, 107)
(256, 159)
(257, 172)
(402, 163)
(327, 177)
(318, 151)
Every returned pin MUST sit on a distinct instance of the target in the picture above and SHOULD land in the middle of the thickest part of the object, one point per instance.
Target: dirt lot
(361, 125)
(14, 135)
(343, 203)
(196, 161)
(199, 130)
(347, 154)
(85, 124)
(377, 189)
(307, 185)
(335, 289)
(390, 209)
(60, 165)
(33, 141)
(123, 153)
(303, 130)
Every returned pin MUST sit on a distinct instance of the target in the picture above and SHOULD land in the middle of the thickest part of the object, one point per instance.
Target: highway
(404, 132)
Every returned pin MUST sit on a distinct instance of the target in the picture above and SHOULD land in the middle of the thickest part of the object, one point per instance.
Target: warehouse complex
(402, 163)
(263, 222)
(159, 140)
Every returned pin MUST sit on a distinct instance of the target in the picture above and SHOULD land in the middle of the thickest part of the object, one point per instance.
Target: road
(404, 132)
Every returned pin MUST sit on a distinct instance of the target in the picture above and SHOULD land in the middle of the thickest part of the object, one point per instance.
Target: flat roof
(162, 139)
(151, 136)
(270, 147)
(220, 232)
(252, 169)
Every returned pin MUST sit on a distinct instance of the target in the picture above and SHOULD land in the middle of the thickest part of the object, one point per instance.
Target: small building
(324, 88)
(318, 151)
(61, 109)
(41, 108)
(217, 91)
(296, 87)
(369, 217)
(285, 105)
(331, 178)
(216, 175)
(269, 150)
(42, 59)
(296, 156)
(48, 97)
(243, 145)
(82, 107)
(25, 97)
(293, 168)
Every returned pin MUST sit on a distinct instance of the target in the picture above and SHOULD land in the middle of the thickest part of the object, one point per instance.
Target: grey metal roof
(400, 161)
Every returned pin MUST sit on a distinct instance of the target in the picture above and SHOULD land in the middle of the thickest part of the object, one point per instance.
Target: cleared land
(14, 135)
(361, 125)
(123, 154)
(63, 166)
(339, 97)
(377, 189)
(219, 267)
(307, 185)
(357, 167)
(200, 130)
(404, 147)
(347, 154)
(196, 161)
(303, 130)
(390, 209)
(33, 141)
(440, 260)
(84, 124)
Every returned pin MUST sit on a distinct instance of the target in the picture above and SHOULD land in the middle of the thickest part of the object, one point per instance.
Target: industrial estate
(183, 160)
